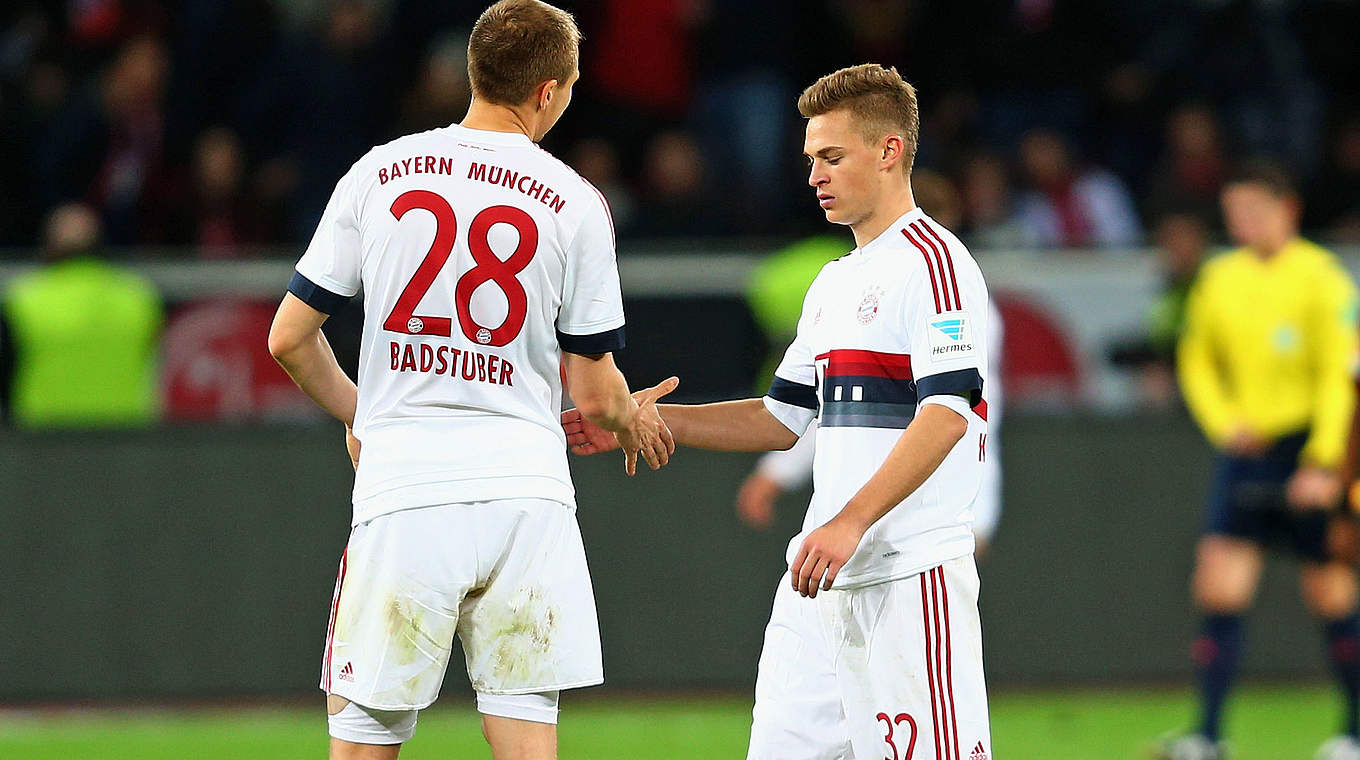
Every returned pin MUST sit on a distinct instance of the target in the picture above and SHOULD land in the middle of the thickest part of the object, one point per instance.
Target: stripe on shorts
(948, 675)
(938, 672)
(948, 650)
(335, 607)
(930, 666)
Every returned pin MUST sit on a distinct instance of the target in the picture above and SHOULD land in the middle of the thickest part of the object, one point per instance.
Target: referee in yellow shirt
(1264, 366)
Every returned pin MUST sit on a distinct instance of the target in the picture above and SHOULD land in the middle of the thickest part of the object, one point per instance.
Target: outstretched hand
(647, 434)
(586, 438)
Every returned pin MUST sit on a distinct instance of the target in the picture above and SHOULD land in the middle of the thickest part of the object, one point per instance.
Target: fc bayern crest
(868, 308)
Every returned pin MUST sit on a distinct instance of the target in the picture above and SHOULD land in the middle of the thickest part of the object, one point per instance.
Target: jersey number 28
(489, 268)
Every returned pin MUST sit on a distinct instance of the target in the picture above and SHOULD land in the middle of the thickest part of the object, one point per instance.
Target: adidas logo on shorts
(347, 674)
(979, 752)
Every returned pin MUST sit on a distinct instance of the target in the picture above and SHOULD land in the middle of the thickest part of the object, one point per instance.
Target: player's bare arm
(744, 425)
(299, 346)
(918, 452)
(602, 398)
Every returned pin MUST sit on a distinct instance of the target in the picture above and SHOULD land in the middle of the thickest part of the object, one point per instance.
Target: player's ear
(545, 93)
(893, 146)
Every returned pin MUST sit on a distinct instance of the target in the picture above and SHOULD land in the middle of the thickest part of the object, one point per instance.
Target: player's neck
(494, 117)
(1273, 248)
(893, 206)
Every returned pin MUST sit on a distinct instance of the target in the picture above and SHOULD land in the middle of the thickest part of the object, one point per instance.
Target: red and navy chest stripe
(876, 389)
(867, 389)
(939, 263)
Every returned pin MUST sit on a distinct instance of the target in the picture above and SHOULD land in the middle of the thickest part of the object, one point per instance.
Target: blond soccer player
(874, 648)
(486, 265)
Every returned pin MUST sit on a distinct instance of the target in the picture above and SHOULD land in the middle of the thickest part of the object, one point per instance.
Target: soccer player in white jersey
(780, 471)
(890, 358)
(487, 268)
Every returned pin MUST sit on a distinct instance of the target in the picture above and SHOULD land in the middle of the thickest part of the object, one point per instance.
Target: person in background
(82, 334)
(776, 289)
(1070, 206)
(1182, 239)
(1264, 364)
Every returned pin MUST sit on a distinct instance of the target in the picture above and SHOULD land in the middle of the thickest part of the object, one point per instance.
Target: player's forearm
(312, 365)
(599, 390)
(744, 425)
(1204, 394)
(916, 455)
(1326, 446)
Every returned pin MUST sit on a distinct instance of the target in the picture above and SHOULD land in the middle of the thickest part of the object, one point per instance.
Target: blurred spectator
(1334, 205)
(441, 95)
(642, 70)
(1067, 206)
(674, 200)
(989, 215)
(107, 144)
(936, 194)
(1182, 240)
(596, 160)
(83, 334)
(108, 101)
(214, 213)
(1192, 169)
(743, 105)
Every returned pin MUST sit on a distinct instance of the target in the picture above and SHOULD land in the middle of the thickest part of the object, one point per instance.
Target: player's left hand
(584, 437)
(823, 553)
(352, 445)
(1314, 488)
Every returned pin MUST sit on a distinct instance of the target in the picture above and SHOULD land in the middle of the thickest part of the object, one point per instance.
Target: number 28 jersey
(481, 257)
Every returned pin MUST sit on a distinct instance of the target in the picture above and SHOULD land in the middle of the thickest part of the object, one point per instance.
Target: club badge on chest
(868, 306)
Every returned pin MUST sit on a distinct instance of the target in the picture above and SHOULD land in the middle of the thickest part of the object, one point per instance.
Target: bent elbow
(281, 344)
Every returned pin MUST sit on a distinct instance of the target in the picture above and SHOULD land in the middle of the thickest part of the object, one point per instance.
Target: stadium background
(190, 558)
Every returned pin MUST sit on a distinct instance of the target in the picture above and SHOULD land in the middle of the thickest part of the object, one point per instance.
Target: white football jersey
(481, 257)
(896, 324)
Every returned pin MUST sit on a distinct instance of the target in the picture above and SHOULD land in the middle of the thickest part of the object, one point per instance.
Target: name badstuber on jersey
(482, 258)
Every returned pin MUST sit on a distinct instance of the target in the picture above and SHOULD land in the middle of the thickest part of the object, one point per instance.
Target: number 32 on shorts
(893, 725)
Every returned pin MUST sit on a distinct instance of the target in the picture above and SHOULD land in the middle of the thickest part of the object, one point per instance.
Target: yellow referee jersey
(1268, 345)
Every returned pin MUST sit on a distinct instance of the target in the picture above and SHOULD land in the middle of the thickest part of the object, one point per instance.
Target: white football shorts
(509, 577)
(892, 670)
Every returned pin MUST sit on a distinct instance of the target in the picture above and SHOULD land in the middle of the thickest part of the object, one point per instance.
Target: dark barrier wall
(200, 561)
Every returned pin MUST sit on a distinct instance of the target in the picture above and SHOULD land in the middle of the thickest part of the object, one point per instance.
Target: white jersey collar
(892, 236)
(488, 137)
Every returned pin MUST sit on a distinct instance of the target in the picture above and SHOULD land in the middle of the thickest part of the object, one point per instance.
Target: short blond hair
(516, 45)
(882, 102)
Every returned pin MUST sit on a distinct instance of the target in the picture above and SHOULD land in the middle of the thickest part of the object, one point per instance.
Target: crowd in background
(224, 124)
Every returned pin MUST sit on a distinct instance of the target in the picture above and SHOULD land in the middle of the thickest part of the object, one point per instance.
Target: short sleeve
(328, 273)
(947, 335)
(792, 397)
(591, 318)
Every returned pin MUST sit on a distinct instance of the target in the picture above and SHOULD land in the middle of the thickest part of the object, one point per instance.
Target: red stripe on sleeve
(935, 286)
(944, 279)
(958, 304)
